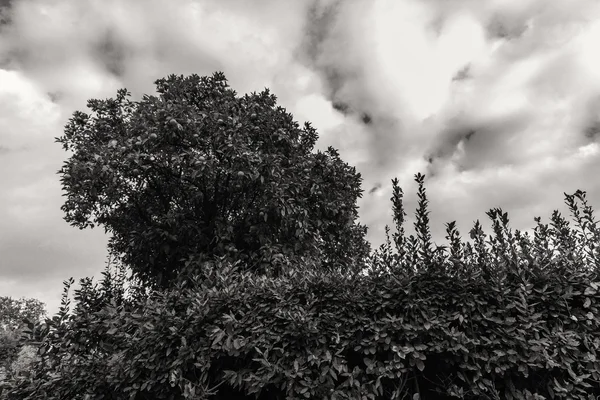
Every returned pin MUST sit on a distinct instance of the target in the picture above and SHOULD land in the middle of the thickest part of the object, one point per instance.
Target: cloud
(36, 246)
(509, 128)
(496, 100)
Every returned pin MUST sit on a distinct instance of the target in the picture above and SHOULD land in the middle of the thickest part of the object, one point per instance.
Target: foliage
(504, 316)
(13, 312)
(509, 316)
(26, 357)
(14, 317)
(199, 171)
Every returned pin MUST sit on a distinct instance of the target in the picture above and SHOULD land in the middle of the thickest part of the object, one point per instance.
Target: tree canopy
(198, 172)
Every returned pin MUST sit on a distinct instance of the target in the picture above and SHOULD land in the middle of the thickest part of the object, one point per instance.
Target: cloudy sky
(496, 101)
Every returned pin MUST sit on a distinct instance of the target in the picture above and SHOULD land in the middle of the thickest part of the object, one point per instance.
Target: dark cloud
(592, 131)
(55, 96)
(342, 107)
(505, 27)
(3, 149)
(591, 119)
(463, 73)
(450, 138)
(9, 60)
(5, 12)
(366, 118)
(432, 167)
(111, 53)
(478, 144)
(320, 19)
(324, 36)
(335, 79)
(321, 31)
(347, 110)
(375, 188)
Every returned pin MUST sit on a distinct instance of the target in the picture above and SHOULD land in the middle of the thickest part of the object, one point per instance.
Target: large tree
(198, 172)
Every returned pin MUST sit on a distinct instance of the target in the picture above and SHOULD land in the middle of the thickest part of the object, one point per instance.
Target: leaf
(420, 365)
(590, 291)
(550, 391)
(262, 361)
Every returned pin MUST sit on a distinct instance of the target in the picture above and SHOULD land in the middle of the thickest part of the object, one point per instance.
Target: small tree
(198, 172)
(25, 358)
(14, 318)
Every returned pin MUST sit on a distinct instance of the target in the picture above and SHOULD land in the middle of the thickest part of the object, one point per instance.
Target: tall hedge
(513, 316)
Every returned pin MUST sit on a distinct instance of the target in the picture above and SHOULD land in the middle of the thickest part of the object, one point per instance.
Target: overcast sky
(496, 101)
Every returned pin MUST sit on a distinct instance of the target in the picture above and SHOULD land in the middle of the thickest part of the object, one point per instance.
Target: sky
(497, 102)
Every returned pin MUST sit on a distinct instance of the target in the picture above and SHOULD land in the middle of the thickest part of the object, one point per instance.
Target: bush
(521, 322)
(26, 357)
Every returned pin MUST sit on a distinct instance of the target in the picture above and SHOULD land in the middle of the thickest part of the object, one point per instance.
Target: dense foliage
(200, 172)
(15, 317)
(507, 315)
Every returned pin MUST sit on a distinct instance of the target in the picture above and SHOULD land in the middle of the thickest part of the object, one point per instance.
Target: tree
(198, 172)
(14, 317)
(13, 312)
